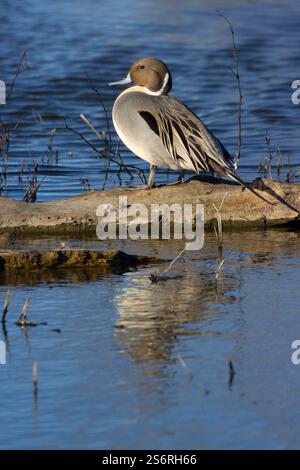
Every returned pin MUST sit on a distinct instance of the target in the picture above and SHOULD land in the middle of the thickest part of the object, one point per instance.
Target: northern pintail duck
(162, 130)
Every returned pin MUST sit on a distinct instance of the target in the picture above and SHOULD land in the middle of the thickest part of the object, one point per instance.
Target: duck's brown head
(153, 74)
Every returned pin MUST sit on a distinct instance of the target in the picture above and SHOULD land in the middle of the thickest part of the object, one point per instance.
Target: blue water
(141, 365)
(67, 40)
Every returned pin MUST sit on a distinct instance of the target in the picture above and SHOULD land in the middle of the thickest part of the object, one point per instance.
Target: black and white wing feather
(186, 138)
(188, 141)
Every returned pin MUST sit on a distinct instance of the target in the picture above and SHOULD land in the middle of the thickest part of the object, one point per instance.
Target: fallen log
(241, 208)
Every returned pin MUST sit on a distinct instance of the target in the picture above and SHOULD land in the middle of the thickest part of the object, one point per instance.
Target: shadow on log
(241, 208)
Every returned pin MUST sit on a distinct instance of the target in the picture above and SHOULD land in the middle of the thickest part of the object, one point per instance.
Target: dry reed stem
(236, 74)
(5, 304)
(218, 228)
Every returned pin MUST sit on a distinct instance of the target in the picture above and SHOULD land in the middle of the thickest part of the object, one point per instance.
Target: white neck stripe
(161, 90)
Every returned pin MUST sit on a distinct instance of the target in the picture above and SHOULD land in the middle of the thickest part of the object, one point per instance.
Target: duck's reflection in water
(152, 315)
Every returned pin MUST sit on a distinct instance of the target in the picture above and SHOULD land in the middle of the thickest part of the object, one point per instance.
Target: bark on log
(241, 208)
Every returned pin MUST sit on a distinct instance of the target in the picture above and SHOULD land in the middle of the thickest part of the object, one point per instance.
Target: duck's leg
(181, 176)
(150, 183)
(151, 178)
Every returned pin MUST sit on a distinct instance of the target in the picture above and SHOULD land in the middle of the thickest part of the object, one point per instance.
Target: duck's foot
(180, 179)
(174, 183)
(142, 186)
(150, 184)
(147, 186)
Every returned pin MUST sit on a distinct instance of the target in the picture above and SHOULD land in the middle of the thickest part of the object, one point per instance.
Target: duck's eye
(141, 67)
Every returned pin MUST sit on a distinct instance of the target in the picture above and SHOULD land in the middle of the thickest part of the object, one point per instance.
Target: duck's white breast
(134, 131)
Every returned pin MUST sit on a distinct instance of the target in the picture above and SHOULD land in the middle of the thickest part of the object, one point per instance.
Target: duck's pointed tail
(232, 175)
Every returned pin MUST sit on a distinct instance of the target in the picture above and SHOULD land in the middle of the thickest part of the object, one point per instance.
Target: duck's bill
(125, 81)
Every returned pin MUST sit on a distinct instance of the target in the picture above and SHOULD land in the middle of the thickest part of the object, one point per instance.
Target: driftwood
(39, 260)
(240, 209)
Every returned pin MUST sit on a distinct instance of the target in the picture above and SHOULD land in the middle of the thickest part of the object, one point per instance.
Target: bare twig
(25, 309)
(23, 321)
(90, 125)
(288, 174)
(35, 384)
(6, 131)
(265, 167)
(51, 139)
(33, 185)
(173, 261)
(236, 74)
(5, 304)
(102, 136)
(71, 129)
(219, 268)
(35, 376)
(162, 276)
(218, 228)
(231, 372)
(121, 165)
(103, 107)
(107, 141)
(85, 184)
(181, 360)
(22, 62)
(270, 156)
(21, 172)
(279, 160)
(106, 138)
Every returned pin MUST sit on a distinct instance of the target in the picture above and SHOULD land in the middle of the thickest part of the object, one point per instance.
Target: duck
(164, 131)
